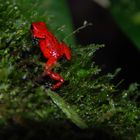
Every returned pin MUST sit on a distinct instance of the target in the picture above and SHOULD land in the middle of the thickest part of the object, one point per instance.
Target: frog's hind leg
(48, 70)
(56, 77)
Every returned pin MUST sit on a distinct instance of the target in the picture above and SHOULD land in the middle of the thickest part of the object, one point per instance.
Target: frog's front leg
(48, 70)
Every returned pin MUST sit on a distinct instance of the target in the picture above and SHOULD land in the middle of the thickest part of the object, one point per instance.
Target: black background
(119, 50)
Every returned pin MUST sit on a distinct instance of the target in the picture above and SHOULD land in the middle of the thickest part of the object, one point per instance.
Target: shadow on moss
(53, 130)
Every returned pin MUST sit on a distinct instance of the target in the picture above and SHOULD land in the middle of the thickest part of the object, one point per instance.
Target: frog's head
(38, 30)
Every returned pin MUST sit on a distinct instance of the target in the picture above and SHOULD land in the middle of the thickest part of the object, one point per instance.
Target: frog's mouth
(34, 41)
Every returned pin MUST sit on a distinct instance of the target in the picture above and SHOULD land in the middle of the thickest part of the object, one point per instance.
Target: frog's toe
(48, 85)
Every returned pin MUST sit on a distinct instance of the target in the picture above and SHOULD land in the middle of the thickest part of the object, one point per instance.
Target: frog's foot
(48, 85)
(56, 77)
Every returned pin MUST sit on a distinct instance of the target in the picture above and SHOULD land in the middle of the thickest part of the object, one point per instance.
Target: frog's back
(53, 45)
(51, 38)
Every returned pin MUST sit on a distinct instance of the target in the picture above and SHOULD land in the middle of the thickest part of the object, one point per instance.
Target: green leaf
(67, 109)
(127, 15)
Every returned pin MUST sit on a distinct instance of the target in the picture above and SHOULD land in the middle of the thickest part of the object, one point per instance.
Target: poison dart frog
(52, 50)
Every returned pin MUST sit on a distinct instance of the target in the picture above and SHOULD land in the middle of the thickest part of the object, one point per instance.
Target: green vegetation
(127, 15)
(88, 98)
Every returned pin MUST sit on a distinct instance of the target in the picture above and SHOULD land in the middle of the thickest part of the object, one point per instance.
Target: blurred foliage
(87, 98)
(127, 15)
(47, 11)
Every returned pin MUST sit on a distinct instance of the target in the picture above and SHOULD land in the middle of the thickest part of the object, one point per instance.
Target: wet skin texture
(52, 50)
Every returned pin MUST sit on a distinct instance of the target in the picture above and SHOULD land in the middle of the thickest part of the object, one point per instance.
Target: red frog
(52, 50)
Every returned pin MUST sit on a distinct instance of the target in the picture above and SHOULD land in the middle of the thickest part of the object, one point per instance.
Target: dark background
(119, 50)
